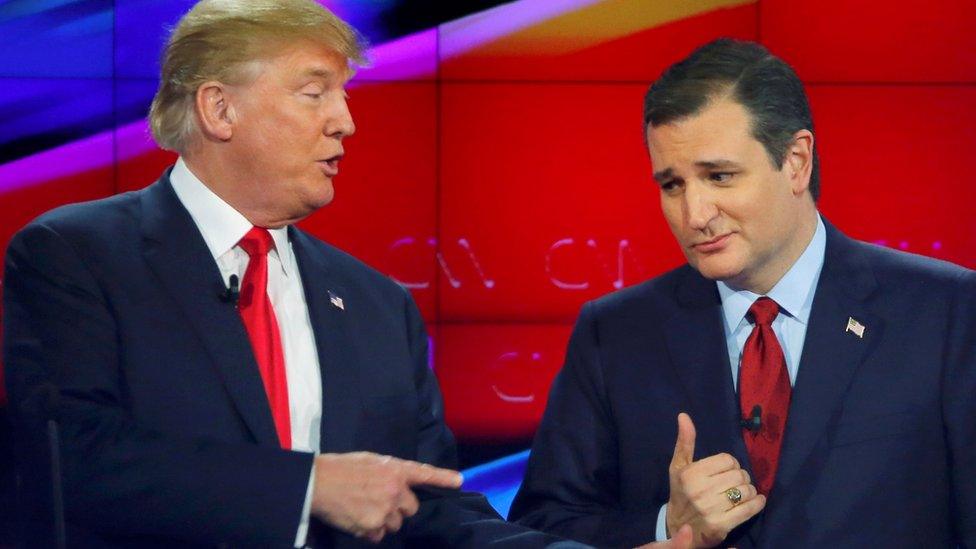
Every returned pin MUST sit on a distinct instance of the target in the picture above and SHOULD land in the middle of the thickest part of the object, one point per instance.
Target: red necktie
(262, 328)
(763, 382)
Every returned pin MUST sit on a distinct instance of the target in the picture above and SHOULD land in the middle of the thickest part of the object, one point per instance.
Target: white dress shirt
(222, 228)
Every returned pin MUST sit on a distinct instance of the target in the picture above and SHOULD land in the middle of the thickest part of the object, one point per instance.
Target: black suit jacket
(880, 445)
(167, 436)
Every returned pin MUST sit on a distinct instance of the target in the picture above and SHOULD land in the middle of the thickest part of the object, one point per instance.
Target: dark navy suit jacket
(167, 436)
(880, 447)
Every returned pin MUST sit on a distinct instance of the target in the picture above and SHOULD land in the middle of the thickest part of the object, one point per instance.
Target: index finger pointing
(422, 473)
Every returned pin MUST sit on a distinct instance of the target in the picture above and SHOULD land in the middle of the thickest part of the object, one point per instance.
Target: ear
(214, 112)
(799, 161)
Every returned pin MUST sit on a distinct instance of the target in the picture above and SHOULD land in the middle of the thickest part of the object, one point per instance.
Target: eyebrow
(716, 164)
(322, 73)
(663, 174)
(707, 164)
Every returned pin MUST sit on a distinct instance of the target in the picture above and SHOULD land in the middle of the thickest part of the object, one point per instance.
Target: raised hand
(699, 489)
(369, 495)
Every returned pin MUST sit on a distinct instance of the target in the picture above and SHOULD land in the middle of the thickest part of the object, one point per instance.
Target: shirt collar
(794, 292)
(220, 224)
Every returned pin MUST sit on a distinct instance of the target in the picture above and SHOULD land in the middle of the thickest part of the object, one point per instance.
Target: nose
(700, 208)
(340, 124)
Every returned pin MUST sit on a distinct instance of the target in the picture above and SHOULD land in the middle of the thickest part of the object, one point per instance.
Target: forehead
(305, 59)
(721, 129)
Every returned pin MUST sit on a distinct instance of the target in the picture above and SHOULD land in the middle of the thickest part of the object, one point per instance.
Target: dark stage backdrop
(498, 170)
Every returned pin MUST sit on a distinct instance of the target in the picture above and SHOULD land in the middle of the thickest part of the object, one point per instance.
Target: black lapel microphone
(49, 405)
(231, 293)
(753, 423)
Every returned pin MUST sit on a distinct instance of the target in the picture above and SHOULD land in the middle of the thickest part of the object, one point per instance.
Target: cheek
(279, 126)
(673, 214)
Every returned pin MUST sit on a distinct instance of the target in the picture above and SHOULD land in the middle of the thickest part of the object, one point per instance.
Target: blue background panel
(56, 38)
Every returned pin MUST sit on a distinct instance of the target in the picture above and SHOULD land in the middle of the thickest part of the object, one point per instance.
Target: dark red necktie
(262, 329)
(764, 394)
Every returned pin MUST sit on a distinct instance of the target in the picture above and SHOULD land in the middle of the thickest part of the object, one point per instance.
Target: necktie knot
(257, 241)
(763, 311)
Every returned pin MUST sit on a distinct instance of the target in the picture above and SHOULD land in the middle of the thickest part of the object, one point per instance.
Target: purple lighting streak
(410, 57)
(84, 155)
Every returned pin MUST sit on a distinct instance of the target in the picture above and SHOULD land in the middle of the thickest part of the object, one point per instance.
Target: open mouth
(330, 166)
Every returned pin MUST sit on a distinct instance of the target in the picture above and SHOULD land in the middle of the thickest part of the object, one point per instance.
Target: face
(737, 217)
(287, 130)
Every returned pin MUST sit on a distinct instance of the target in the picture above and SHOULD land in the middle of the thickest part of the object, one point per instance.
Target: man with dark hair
(831, 381)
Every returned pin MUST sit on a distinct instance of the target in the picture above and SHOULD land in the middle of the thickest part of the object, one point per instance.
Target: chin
(321, 195)
(716, 270)
(324, 200)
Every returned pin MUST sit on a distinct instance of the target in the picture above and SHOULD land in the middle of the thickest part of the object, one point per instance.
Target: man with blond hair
(218, 375)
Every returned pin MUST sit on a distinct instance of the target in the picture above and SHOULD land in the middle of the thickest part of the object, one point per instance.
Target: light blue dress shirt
(794, 294)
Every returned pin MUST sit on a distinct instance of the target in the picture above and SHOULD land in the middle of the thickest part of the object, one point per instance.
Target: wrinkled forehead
(721, 130)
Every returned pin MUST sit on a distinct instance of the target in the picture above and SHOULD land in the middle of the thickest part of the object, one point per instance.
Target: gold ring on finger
(734, 495)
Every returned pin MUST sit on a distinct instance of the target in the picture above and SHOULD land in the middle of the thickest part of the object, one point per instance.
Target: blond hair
(221, 39)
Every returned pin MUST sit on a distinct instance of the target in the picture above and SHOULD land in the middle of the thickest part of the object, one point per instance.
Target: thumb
(684, 447)
(683, 539)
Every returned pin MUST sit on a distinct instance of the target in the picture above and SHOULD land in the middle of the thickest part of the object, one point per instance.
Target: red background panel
(838, 40)
(495, 378)
(526, 167)
(640, 56)
(896, 164)
(385, 193)
(138, 167)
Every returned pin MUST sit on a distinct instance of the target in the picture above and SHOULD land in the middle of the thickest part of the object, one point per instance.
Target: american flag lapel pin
(336, 301)
(855, 327)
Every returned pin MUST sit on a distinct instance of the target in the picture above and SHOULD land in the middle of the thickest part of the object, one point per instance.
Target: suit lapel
(696, 341)
(176, 252)
(337, 353)
(830, 356)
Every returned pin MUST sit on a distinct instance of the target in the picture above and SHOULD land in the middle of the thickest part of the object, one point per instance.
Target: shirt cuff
(661, 534)
(302, 536)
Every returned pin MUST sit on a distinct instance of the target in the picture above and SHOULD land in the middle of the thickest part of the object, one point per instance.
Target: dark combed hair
(764, 84)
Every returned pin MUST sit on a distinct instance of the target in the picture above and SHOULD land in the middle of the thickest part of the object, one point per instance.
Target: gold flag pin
(855, 327)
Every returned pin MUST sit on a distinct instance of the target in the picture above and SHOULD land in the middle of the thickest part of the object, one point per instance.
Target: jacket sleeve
(959, 410)
(450, 518)
(121, 478)
(571, 485)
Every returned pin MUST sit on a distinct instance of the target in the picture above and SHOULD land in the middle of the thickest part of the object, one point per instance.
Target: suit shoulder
(896, 267)
(105, 215)
(85, 225)
(654, 293)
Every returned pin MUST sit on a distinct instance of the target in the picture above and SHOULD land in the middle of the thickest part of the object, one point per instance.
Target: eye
(312, 95)
(669, 186)
(721, 177)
